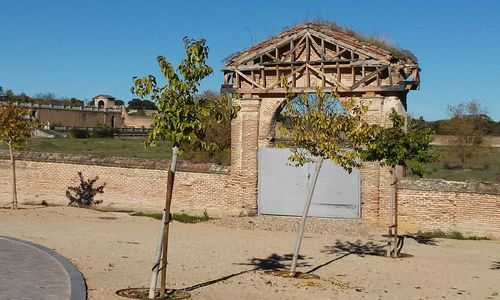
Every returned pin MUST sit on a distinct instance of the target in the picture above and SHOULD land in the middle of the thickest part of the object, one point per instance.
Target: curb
(77, 282)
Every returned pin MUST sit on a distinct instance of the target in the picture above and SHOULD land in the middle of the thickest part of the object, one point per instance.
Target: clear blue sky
(84, 48)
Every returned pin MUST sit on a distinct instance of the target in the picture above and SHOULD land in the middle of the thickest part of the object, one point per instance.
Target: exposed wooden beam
(252, 82)
(308, 49)
(299, 43)
(323, 48)
(338, 54)
(335, 41)
(353, 75)
(268, 48)
(288, 77)
(270, 56)
(238, 82)
(317, 48)
(368, 77)
(313, 62)
(339, 76)
(324, 76)
(280, 90)
(389, 70)
(243, 68)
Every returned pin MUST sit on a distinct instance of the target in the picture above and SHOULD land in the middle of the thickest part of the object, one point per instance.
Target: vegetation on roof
(381, 43)
(375, 41)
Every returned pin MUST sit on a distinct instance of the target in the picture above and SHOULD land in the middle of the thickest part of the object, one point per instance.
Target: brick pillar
(244, 156)
(376, 180)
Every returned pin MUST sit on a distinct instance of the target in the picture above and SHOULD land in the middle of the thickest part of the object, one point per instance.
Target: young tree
(180, 120)
(218, 133)
(321, 126)
(399, 145)
(15, 124)
(468, 124)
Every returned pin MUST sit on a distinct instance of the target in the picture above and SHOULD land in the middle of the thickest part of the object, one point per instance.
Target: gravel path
(291, 224)
(115, 251)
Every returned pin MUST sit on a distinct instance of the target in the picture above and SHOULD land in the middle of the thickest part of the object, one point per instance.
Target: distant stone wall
(137, 121)
(130, 183)
(74, 116)
(472, 208)
(80, 118)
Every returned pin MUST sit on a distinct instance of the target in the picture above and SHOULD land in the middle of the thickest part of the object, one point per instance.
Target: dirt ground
(115, 251)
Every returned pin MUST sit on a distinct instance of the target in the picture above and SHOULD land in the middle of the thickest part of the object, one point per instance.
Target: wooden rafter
(333, 83)
(368, 77)
(319, 50)
(278, 82)
(311, 57)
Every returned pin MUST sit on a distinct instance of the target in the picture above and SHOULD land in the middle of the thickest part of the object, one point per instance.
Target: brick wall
(134, 184)
(472, 208)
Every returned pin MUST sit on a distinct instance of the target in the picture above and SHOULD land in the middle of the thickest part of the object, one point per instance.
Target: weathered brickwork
(126, 187)
(244, 154)
(472, 208)
(254, 128)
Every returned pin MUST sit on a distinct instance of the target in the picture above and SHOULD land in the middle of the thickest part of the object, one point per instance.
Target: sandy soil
(115, 250)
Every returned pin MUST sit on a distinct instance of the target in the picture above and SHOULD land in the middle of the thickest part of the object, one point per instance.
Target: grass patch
(183, 217)
(455, 235)
(117, 147)
(484, 166)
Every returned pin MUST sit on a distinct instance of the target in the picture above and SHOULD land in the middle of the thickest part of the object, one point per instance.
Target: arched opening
(112, 121)
(276, 126)
(100, 104)
(282, 186)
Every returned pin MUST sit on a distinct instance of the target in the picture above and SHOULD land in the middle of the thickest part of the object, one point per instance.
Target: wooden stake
(163, 239)
(14, 189)
(164, 261)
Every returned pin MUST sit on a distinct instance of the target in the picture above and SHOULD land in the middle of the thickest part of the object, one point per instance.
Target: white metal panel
(282, 188)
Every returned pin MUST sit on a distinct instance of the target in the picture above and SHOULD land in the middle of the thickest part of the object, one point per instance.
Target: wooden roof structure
(320, 55)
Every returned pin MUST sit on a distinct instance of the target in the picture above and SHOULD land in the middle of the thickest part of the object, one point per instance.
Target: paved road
(31, 271)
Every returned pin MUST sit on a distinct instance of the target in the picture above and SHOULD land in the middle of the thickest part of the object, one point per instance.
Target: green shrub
(83, 194)
(456, 235)
(79, 133)
(102, 132)
(183, 218)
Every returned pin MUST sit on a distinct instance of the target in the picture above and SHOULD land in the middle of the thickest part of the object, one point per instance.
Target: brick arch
(268, 115)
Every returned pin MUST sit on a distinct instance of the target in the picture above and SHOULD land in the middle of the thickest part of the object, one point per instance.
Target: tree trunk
(390, 230)
(300, 234)
(14, 189)
(392, 240)
(395, 240)
(162, 245)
